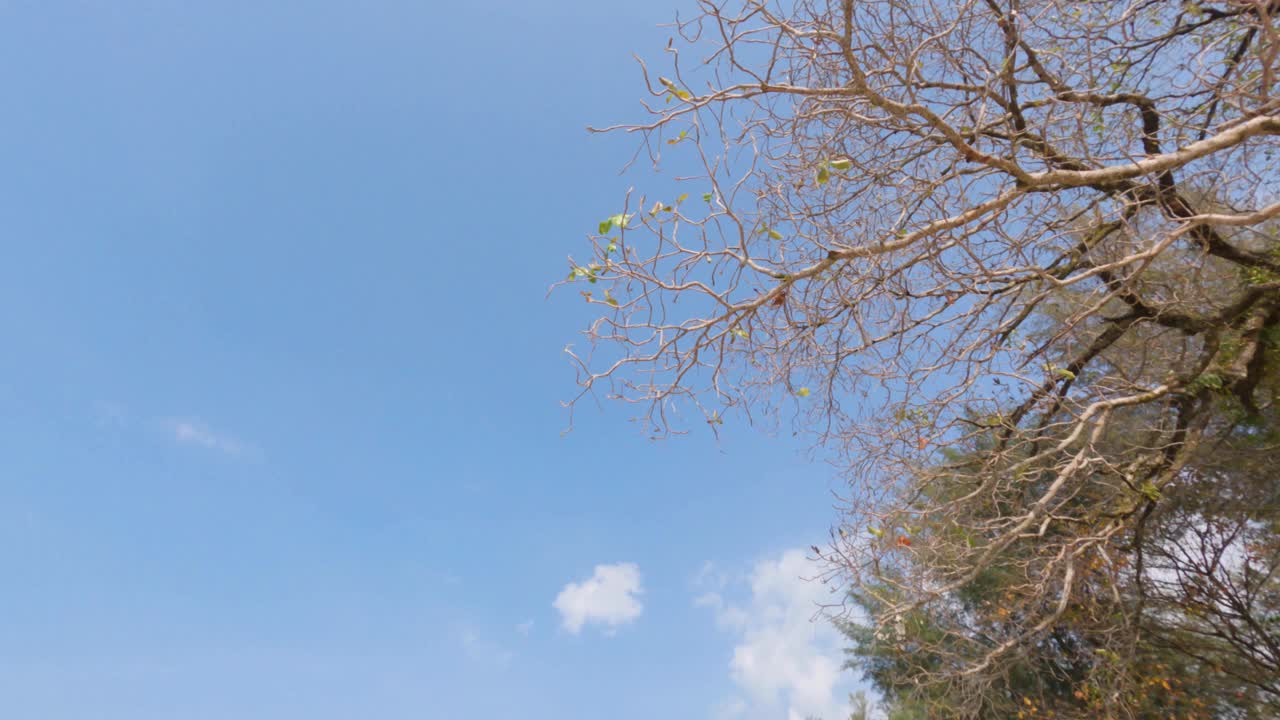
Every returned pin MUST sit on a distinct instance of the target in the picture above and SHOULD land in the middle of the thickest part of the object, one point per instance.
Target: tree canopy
(1016, 263)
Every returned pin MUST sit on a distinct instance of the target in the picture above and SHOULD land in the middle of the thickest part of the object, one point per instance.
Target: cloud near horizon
(787, 658)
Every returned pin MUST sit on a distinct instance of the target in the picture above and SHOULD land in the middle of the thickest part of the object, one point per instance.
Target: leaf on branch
(619, 221)
(675, 89)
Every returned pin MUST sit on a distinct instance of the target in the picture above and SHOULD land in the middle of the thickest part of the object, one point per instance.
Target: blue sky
(279, 395)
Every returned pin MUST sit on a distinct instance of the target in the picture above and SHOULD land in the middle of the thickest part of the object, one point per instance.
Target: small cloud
(607, 598)
(111, 415)
(525, 627)
(730, 709)
(482, 651)
(710, 576)
(194, 432)
(711, 600)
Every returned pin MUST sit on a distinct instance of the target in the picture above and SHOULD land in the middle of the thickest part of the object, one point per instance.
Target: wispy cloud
(787, 659)
(110, 415)
(609, 598)
(196, 433)
(482, 651)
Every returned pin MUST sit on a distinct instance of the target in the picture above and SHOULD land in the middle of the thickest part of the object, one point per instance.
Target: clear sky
(280, 433)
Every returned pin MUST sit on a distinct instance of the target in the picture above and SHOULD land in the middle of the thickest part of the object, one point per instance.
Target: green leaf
(875, 531)
(740, 333)
(707, 197)
(823, 175)
(682, 198)
(775, 234)
(1060, 372)
(842, 164)
(802, 392)
(1209, 380)
(675, 89)
(610, 299)
(615, 221)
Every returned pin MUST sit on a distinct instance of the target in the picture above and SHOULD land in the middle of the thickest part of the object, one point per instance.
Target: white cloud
(787, 658)
(712, 600)
(730, 709)
(194, 432)
(607, 598)
(482, 651)
(111, 415)
(710, 576)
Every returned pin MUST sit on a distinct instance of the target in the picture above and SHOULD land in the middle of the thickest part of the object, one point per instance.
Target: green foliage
(618, 221)
(1099, 658)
